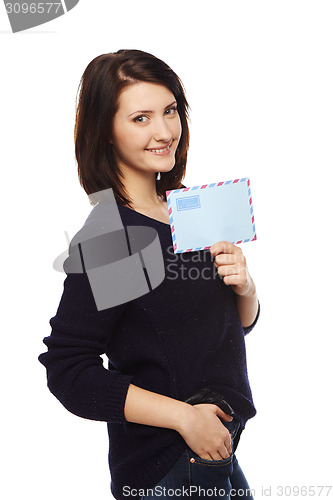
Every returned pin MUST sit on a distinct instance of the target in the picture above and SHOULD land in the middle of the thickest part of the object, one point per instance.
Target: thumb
(220, 413)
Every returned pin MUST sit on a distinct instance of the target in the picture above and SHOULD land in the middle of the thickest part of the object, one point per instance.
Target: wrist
(246, 291)
(183, 416)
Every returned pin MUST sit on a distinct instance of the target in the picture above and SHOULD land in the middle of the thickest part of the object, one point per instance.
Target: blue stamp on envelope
(188, 203)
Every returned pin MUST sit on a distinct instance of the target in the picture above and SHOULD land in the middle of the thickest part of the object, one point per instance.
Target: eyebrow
(150, 111)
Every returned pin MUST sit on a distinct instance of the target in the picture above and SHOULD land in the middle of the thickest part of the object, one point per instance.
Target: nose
(162, 132)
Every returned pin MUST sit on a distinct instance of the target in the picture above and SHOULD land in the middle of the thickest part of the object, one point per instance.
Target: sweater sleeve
(75, 372)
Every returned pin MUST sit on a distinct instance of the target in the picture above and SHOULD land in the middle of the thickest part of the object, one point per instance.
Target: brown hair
(100, 86)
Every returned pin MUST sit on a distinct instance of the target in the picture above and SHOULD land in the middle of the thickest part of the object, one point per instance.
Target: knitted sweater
(178, 338)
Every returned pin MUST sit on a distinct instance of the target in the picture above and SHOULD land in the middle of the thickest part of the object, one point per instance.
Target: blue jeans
(197, 478)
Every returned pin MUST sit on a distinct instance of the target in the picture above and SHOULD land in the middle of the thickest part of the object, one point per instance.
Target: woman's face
(146, 128)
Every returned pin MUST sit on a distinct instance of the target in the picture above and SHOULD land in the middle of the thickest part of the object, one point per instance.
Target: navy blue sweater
(178, 338)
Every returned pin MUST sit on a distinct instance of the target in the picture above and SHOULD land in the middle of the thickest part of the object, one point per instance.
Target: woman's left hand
(231, 265)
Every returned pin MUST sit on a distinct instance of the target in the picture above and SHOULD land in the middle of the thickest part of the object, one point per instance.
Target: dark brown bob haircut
(99, 90)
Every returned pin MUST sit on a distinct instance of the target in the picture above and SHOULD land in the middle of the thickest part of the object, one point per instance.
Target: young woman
(185, 335)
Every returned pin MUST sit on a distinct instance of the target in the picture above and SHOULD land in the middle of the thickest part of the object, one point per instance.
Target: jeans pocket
(195, 459)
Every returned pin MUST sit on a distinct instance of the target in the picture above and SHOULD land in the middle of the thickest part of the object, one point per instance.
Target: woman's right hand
(199, 425)
(204, 432)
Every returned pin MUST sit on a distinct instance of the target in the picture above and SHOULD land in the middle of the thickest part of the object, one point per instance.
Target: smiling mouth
(161, 150)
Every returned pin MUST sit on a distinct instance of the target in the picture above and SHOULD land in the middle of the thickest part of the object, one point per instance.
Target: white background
(259, 79)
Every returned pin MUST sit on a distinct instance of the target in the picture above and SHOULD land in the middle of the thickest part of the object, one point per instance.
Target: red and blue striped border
(205, 186)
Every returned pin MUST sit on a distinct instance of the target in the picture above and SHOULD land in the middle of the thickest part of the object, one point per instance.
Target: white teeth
(160, 150)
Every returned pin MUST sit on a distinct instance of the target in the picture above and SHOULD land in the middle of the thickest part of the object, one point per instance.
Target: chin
(168, 168)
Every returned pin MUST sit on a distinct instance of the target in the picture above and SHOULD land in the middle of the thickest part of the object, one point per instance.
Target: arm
(197, 424)
(248, 306)
(77, 377)
(75, 372)
(231, 265)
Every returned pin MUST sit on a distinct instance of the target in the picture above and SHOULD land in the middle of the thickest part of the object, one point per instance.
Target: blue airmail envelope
(203, 215)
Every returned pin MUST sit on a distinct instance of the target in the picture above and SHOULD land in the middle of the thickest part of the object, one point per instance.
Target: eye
(140, 119)
(171, 111)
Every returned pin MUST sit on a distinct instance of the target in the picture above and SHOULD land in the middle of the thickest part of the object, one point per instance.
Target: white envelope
(203, 215)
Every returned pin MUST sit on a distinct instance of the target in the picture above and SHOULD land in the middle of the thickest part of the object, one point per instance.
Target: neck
(141, 189)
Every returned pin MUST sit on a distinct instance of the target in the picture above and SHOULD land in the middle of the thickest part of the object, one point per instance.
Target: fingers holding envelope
(231, 266)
